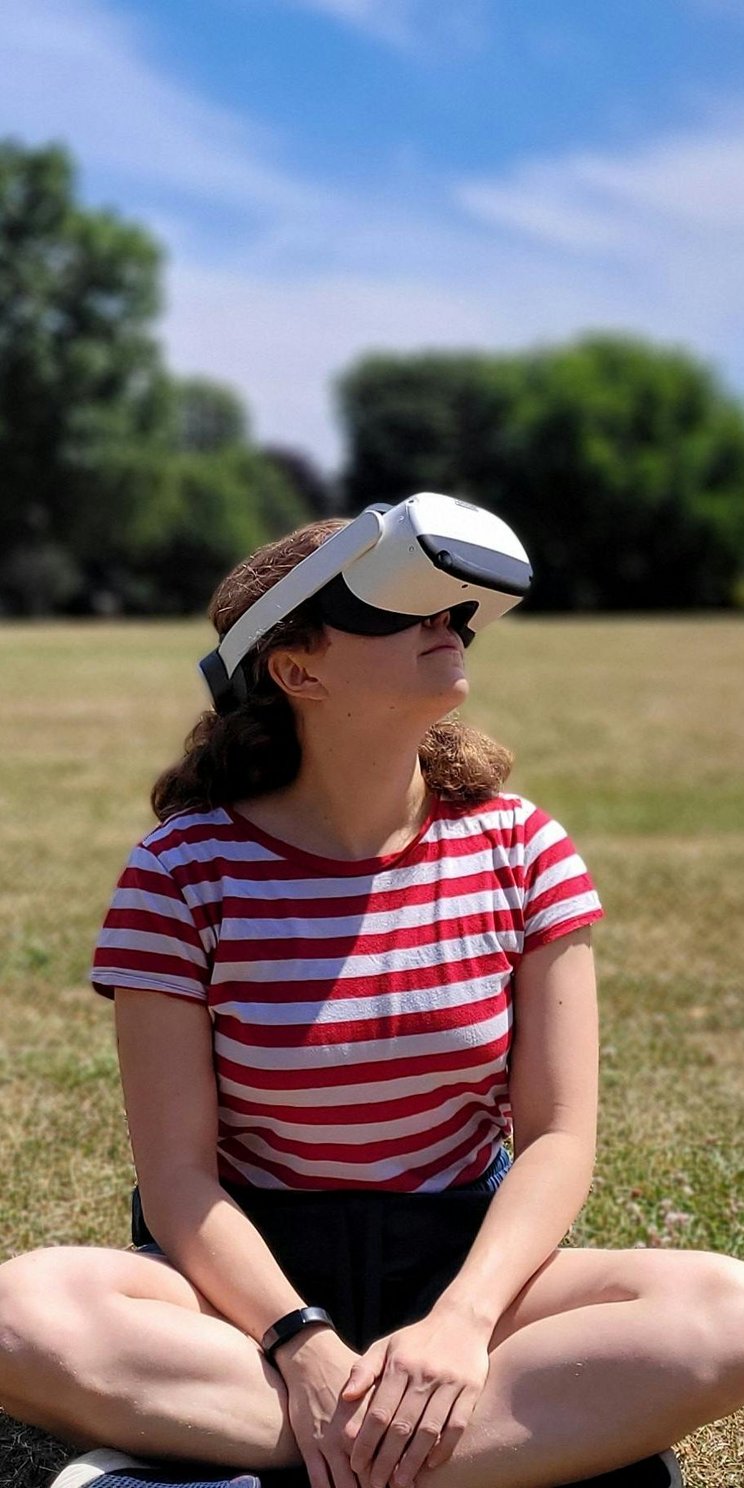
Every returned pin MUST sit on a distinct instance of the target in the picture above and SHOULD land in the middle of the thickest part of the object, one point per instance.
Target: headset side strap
(305, 580)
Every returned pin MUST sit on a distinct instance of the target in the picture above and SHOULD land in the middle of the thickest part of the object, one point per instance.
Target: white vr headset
(390, 568)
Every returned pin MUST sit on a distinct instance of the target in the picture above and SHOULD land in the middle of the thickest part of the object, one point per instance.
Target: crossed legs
(604, 1357)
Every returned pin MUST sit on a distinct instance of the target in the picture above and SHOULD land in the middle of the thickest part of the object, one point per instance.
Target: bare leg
(103, 1347)
(593, 1388)
(576, 1386)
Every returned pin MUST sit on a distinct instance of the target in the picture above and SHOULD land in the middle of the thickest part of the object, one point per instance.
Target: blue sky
(335, 176)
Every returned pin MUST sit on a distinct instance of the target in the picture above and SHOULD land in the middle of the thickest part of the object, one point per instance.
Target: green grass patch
(630, 731)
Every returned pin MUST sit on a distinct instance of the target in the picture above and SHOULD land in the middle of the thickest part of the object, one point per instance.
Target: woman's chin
(457, 693)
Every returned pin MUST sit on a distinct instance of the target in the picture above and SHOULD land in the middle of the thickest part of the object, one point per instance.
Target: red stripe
(403, 1183)
(358, 942)
(278, 893)
(401, 979)
(361, 1030)
(325, 1115)
(151, 922)
(555, 932)
(150, 963)
(376, 901)
(556, 895)
(368, 1151)
(368, 1071)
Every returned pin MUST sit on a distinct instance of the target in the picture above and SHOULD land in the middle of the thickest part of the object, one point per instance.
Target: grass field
(630, 731)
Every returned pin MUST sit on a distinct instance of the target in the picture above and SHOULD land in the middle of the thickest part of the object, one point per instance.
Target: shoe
(106, 1468)
(660, 1471)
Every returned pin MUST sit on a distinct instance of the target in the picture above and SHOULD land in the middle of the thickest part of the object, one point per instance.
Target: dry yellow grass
(630, 731)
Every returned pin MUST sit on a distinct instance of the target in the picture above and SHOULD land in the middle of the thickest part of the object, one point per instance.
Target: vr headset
(390, 568)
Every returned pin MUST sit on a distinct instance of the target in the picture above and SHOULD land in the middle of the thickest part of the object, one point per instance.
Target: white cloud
(308, 278)
(78, 73)
(689, 182)
(286, 341)
(412, 25)
(668, 218)
(730, 10)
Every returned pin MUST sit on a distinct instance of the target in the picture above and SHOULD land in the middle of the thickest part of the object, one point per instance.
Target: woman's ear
(293, 672)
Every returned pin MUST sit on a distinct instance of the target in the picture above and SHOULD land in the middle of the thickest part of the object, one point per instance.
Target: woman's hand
(431, 1375)
(315, 1366)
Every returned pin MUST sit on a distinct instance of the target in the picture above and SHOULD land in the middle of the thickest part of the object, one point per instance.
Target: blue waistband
(493, 1176)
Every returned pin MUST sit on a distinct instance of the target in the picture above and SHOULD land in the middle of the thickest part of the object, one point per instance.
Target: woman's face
(419, 670)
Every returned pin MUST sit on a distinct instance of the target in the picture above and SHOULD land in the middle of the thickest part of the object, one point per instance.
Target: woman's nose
(435, 619)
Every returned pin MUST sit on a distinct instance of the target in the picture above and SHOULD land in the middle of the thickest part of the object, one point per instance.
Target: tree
(83, 398)
(221, 506)
(123, 488)
(207, 416)
(315, 492)
(621, 465)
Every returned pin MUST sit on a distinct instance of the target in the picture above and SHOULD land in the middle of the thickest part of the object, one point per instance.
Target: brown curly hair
(255, 748)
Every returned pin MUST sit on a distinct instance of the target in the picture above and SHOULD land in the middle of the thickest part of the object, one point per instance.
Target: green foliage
(207, 417)
(123, 489)
(221, 505)
(312, 488)
(81, 386)
(621, 465)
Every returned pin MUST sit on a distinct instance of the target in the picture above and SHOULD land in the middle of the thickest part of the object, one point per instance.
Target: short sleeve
(149, 938)
(559, 895)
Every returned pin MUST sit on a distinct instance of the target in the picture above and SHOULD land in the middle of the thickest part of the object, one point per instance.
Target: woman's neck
(347, 807)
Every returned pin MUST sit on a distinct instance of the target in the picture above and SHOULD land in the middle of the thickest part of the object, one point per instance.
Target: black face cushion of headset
(342, 609)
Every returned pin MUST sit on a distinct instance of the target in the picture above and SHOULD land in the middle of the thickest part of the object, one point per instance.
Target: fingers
(340, 1471)
(378, 1417)
(317, 1471)
(409, 1435)
(459, 1418)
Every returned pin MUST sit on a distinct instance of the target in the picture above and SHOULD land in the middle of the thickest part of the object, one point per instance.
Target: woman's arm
(166, 1063)
(553, 1090)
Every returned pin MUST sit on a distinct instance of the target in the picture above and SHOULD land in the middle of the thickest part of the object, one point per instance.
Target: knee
(712, 1297)
(37, 1312)
(24, 1281)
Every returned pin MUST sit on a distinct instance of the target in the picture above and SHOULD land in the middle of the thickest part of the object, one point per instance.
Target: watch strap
(292, 1323)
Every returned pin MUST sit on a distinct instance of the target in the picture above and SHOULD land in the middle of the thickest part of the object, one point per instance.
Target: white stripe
(141, 857)
(146, 902)
(439, 1181)
(474, 824)
(259, 1178)
(573, 867)
(356, 1009)
(480, 861)
(232, 849)
(181, 821)
(381, 963)
(162, 945)
(206, 891)
(145, 981)
(330, 1056)
(566, 909)
(365, 885)
(409, 916)
(365, 1092)
(548, 835)
(364, 1131)
(353, 1166)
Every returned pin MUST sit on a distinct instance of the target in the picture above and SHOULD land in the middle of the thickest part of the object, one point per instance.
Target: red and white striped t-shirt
(361, 1011)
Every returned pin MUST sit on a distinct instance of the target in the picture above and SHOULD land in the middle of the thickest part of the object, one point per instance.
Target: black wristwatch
(290, 1324)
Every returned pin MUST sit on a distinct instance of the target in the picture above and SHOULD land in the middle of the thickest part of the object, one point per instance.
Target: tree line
(126, 490)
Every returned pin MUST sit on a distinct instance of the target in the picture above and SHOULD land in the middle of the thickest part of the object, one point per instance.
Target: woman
(315, 958)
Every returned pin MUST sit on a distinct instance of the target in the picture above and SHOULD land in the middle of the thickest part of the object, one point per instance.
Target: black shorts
(374, 1259)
